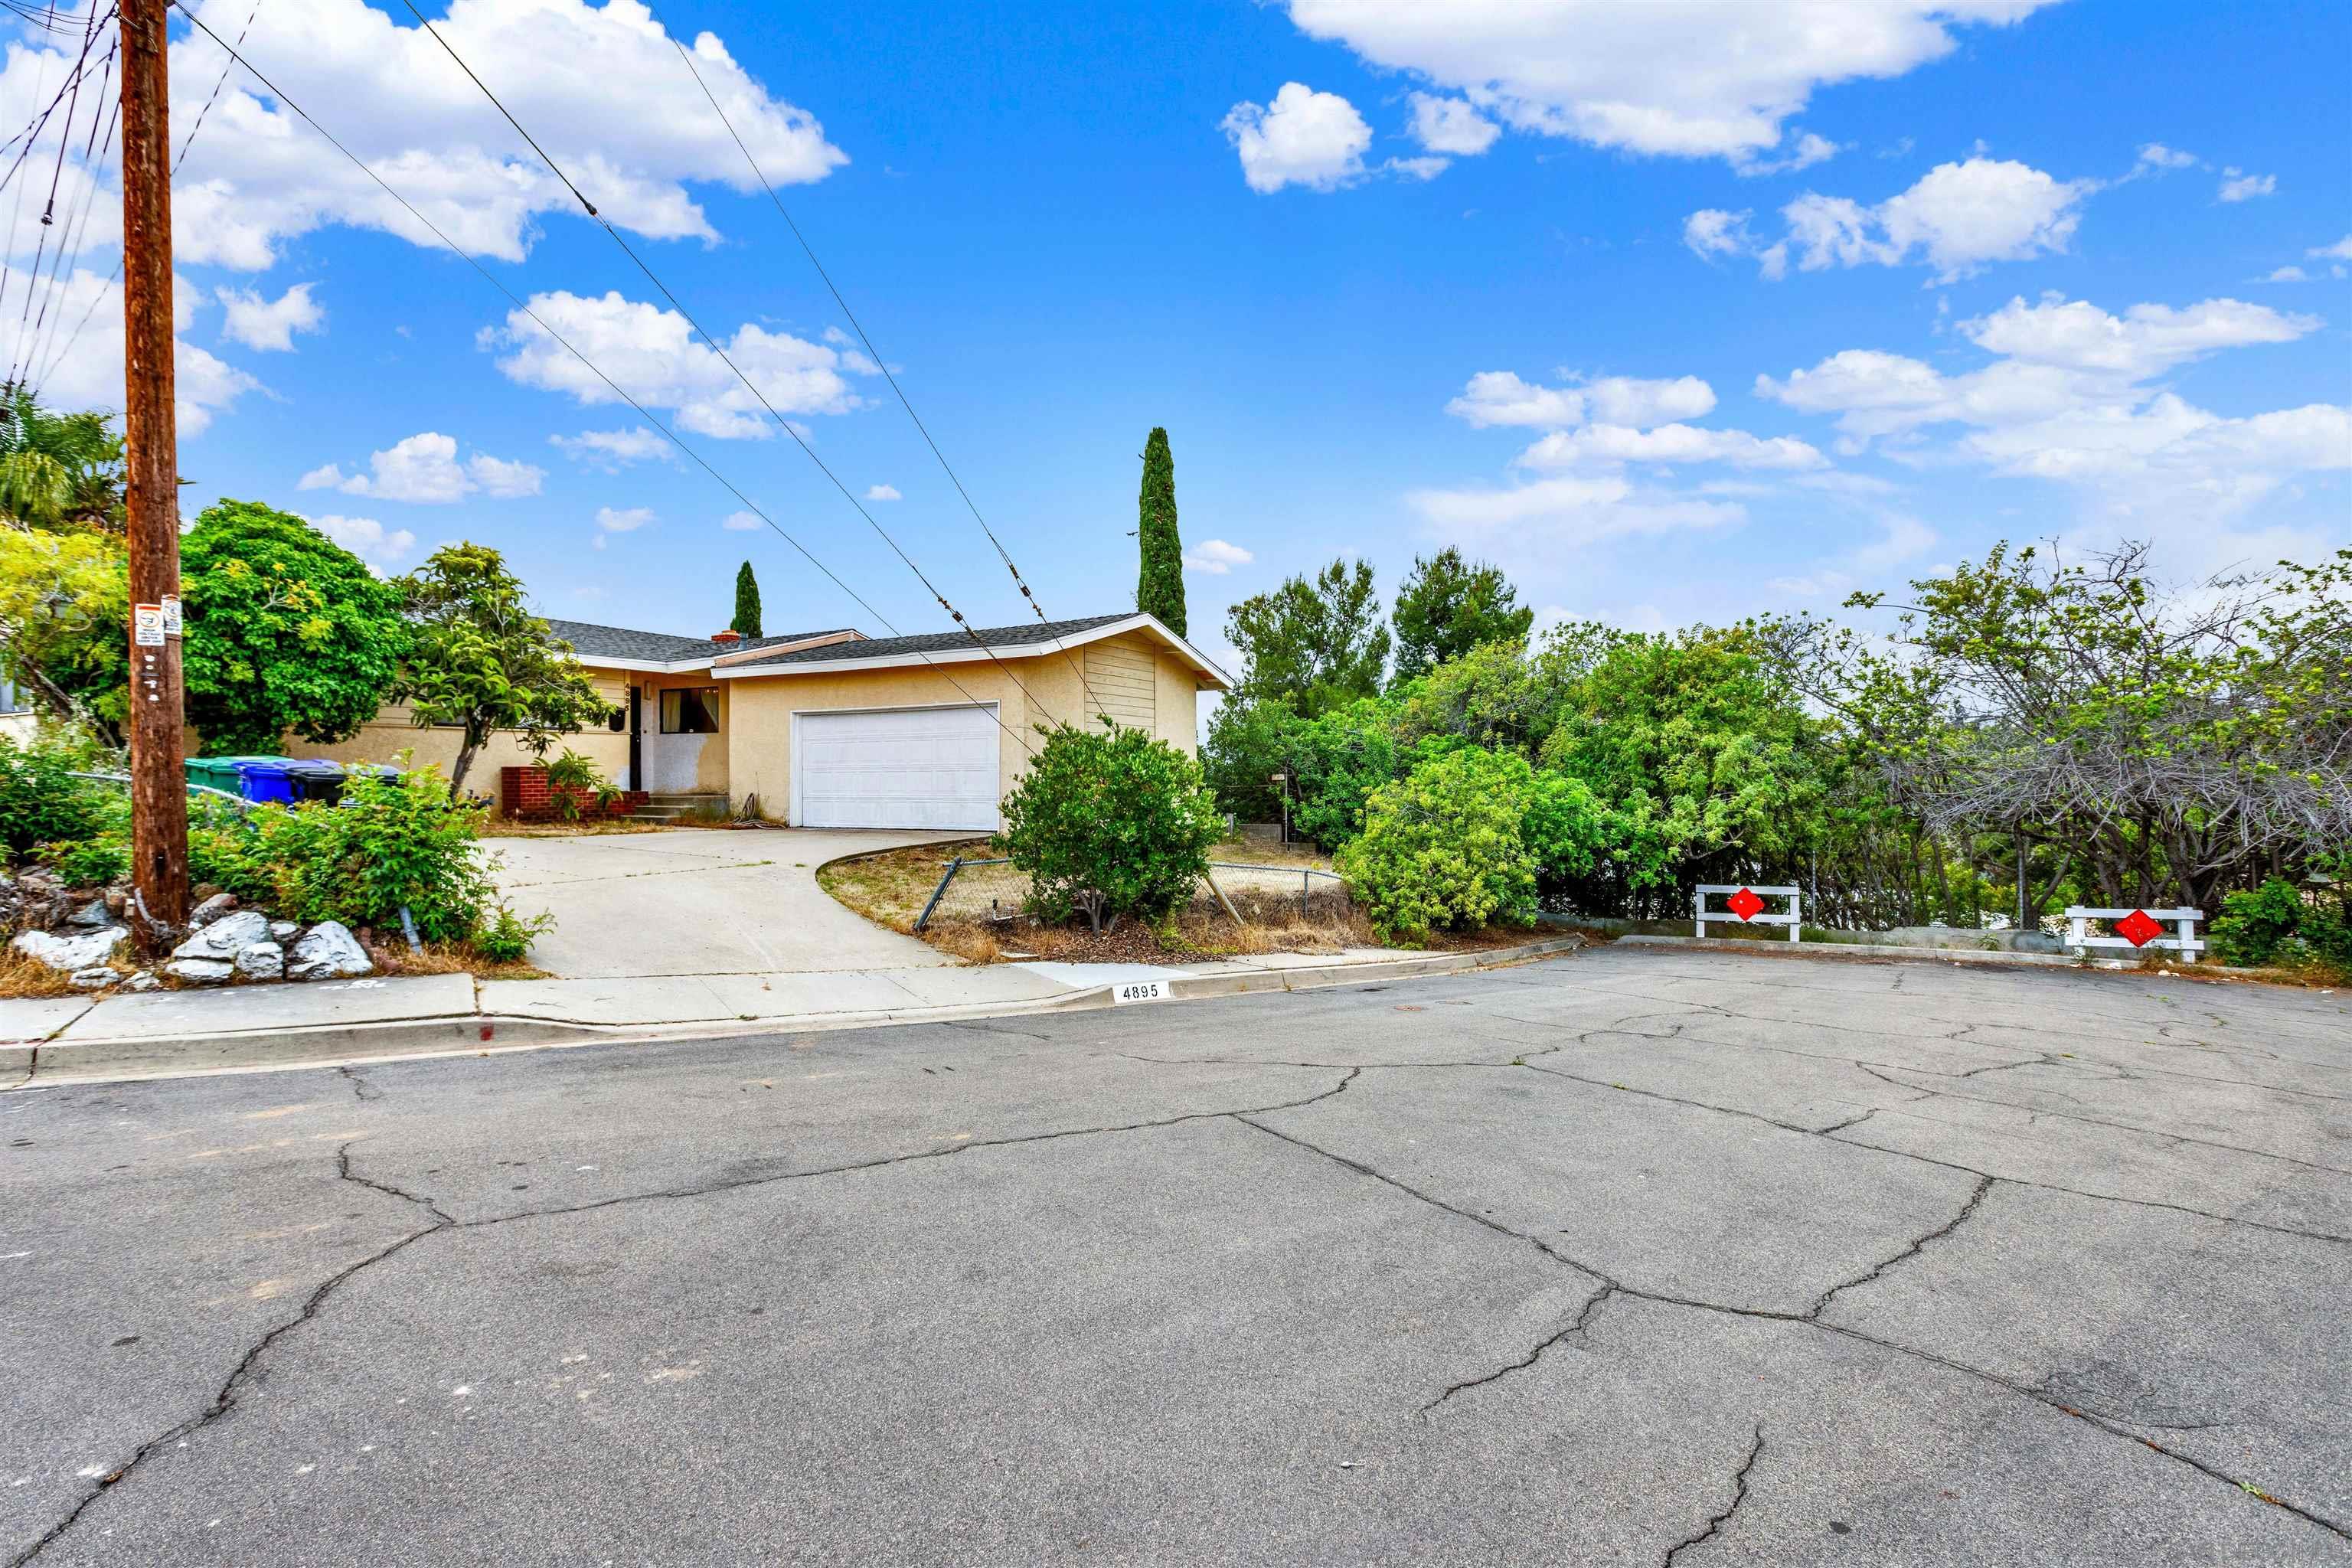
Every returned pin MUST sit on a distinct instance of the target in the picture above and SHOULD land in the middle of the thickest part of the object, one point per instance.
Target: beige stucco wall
(389, 734)
(758, 723)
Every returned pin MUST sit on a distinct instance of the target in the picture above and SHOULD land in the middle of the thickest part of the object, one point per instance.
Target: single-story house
(835, 729)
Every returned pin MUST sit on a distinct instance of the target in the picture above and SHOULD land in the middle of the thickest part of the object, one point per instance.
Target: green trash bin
(218, 772)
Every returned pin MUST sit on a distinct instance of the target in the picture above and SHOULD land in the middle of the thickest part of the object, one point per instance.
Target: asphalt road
(1626, 1258)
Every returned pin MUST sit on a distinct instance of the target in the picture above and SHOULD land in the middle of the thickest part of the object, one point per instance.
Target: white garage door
(919, 767)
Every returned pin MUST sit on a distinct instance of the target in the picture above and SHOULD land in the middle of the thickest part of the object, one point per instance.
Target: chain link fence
(996, 892)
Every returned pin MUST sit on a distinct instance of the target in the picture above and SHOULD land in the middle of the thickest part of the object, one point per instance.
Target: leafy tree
(1249, 742)
(64, 613)
(1448, 606)
(286, 631)
(1337, 761)
(1318, 641)
(1109, 823)
(1160, 585)
(2154, 744)
(1698, 746)
(481, 660)
(59, 470)
(746, 603)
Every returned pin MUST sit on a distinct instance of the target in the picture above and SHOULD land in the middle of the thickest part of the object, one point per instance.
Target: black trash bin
(316, 779)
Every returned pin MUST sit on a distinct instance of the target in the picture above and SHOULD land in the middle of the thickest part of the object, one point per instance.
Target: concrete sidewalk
(164, 1034)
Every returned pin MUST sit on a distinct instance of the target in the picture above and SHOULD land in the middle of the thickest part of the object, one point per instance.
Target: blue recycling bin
(265, 780)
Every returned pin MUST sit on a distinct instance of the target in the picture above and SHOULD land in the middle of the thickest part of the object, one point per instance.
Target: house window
(689, 710)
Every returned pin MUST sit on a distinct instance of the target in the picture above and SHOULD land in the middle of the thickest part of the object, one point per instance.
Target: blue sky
(1679, 311)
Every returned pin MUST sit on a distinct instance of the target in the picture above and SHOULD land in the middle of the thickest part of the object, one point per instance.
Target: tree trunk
(465, 750)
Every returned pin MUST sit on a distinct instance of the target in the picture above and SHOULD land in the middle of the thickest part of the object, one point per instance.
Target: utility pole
(159, 792)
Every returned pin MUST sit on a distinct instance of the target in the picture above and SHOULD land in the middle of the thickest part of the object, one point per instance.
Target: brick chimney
(727, 639)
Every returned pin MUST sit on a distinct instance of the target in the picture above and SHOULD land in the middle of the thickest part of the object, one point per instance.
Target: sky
(1679, 311)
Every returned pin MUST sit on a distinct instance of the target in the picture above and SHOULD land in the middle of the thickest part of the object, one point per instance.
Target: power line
(24, 328)
(593, 369)
(218, 82)
(717, 347)
(875, 355)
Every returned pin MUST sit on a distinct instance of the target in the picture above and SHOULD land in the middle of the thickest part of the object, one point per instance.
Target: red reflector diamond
(1748, 906)
(2138, 927)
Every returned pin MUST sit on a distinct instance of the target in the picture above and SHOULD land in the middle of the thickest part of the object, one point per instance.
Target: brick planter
(525, 796)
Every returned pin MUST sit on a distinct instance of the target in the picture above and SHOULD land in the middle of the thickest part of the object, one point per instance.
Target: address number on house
(1139, 991)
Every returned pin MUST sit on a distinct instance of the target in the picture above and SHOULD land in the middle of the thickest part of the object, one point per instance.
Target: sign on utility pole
(159, 794)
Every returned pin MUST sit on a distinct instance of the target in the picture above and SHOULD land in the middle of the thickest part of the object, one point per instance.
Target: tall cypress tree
(746, 603)
(1160, 588)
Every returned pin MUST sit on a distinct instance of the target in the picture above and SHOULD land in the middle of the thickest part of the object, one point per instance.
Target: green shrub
(1109, 823)
(101, 853)
(1444, 846)
(1567, 829)
(392, 843)
(506, 937)
(40, 801)
(571, 776)
(2276, 924)
(1337, 761)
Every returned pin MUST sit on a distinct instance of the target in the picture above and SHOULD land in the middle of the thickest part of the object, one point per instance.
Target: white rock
(142, 981)
(71, 952)
(261, 961)
(211, 909)
(92, 913)
(283, 931)
(329, 952)
(93, 979)
(225, 937)
(200, 971)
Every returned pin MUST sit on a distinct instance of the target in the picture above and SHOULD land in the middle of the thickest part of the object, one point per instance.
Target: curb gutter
(1784, 949)
(39, 1064)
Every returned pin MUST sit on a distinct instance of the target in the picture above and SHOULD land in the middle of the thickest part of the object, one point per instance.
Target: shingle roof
(590, 641)
(935, 642)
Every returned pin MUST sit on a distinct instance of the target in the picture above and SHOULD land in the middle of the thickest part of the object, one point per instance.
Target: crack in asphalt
(365, 1090)
(1821, 1304)
(1738, 1496)
(1576, 1326)
(224, 1399)
(1619, 1288)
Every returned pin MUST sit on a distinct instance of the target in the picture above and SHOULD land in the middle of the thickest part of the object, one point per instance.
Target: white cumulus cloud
(1215, 558)
(364, 537)
(2237, 185)
(1500, 397)
(2070, 395)
(1452, 125)
(883, 493)
(424, 468)
(741, 521)
(1302, 138)
(657, 356)
(265, 325)
(1958, 219)
(1683, 79)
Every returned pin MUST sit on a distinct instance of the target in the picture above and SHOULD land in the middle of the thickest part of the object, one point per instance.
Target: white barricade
(1745, 905)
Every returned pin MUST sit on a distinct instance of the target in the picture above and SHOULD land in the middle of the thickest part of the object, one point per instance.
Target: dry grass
(891, 885)
(22, 978)
(451, 958)
(890, 888)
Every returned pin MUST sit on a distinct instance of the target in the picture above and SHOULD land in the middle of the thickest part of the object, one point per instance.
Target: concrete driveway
(1629, 1258)
(699, 901)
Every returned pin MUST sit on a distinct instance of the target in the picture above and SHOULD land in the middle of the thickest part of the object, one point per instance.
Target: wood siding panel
(1122, 683)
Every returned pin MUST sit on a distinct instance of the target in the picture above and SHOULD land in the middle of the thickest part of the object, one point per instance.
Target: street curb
(39, 1065)
(1879, 950)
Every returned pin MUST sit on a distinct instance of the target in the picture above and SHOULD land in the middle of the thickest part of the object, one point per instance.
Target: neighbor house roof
(1031, 640)
(592, 643)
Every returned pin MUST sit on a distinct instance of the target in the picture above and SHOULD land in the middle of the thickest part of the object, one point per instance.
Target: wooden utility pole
(159, 792)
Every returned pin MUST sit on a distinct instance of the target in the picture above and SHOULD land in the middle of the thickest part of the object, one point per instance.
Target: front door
(687, 723)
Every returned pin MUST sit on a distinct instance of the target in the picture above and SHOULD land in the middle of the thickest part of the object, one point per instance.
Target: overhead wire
(617, 390)
(43, 366)
(49, 209)
(875, 355)
(971, 632)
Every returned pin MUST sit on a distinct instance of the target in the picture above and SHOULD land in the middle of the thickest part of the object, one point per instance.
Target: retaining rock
(329, 952)
(261, 961)
(226, 936)
(201, 970)
(69, 953)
